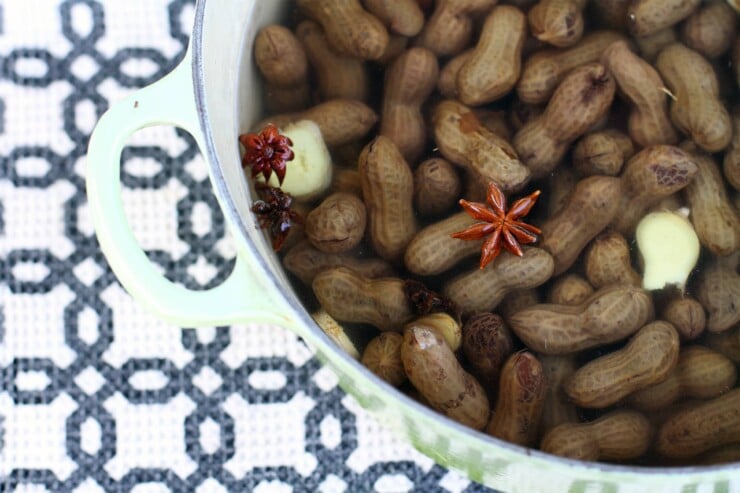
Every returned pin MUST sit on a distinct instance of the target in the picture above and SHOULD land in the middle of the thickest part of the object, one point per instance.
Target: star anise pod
(505, 228)
(267, 151)
(426, 301)
(274, 213)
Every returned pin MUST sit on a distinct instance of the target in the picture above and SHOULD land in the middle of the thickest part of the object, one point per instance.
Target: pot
(213, 94)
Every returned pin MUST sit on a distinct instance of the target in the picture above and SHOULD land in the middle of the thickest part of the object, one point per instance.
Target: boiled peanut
(444, 325)
(699, 374)
(450, 26)
(350, 297)
(570, 289)
(433, 250)
(306, 262)
(602, 153)
(341, 121)
(496, 122)
(608, 261)
(731, 162)
(721, 455)
(518, 300)
(337, 224)
(651, 45)
(735, 57)
(714, 218)
(610, 314)
(591, 206)
(433, 369)
(436, 187)
(696, 109)
(282, 62)
(558, 408)
(404, 17)
(557, 22)
(649, 16)
(387, 188)
(337, 76)
(718, 290)
(486, 342)
(346, 180)
(647, 359)
(350, 29)
(698, 429)
(649, 122)
(582, 99)
(336, 332)
(726, 343)
(409, 81)
(711, 29)
(464, 141)
(544, 70)
(561, 183)
(619, 435)
(492, 68)
(382, 356)
(687, 316)
(447, 82)
(482, 290)
(521, 397)
(653, 173)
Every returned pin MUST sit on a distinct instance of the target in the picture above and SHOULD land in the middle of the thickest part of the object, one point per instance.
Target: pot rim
(238, 229)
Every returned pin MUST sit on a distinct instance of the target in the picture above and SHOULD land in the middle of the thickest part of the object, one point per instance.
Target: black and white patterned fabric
(96, 395)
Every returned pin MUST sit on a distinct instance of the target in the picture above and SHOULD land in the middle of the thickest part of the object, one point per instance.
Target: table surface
(95, 393)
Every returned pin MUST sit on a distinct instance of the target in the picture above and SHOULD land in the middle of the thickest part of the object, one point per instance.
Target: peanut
(487, 343)
(617, 436)
(436, 187)
(401, 16)
(522, 113)
(714, 217)
(482, 290)
(382, 356)
(387, 187)
(570, 289)
(726, 343)
(602, 153)
(731, 162)
(652, 174)
(561, 183)
(492, 68)
(409, 81)
(687, 316)
(341, 121)
(650, 46)
(337, 224)
(718, 290)
(336, 332)
(350, 297)
(518, 300)
(282, 61)
(447, 82)
(350, 29)
(711, 29)
(649, 122)
(337, 76)
(544, 70)
(496, 122)
(433, 369)
(696, 109)
(650, 16)
(608, 261)
(610, 314)
(346, 180)
(464, 141)
(721, 455)
(735, 59)
(521, 397)
(557, 22)
(558, 409)
(396, 45)
(698, 429)
(444, 325)
(582, 99)
(647, 359)
(450, 27)
(306, 262)
(699, 374)
(591, 206)
(433, 250)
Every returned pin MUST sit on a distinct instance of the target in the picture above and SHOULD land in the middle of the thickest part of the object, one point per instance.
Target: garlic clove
(669, 249)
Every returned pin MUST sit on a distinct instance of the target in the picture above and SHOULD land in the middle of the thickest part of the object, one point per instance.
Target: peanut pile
(614, 109)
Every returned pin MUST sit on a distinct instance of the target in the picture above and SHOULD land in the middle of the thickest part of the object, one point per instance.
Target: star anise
(274, 213)
(267, 151)
(505, 228)
(426, 301)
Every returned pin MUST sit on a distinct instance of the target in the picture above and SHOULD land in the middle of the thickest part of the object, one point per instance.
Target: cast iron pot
(213, 94)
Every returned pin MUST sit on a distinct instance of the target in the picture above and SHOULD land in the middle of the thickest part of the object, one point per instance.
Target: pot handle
(169, 101)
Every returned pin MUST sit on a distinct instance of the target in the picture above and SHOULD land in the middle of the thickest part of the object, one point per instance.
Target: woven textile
(95, 393)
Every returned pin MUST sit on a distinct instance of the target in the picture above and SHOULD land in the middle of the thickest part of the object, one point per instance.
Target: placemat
(95, 393)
